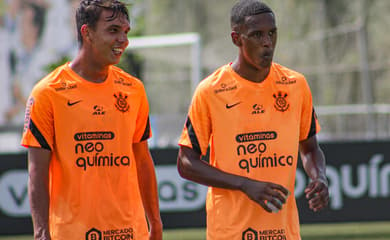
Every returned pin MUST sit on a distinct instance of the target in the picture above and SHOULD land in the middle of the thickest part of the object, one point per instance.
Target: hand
(317, 194)
(261, 192)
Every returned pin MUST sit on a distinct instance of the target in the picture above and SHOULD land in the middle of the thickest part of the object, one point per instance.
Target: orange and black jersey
(253, 130)
(89, 129)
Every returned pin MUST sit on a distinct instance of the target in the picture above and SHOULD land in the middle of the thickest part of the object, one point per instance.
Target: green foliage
(50, 67)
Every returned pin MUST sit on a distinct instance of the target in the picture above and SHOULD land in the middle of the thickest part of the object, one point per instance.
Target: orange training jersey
(253, 130)
(89, 128)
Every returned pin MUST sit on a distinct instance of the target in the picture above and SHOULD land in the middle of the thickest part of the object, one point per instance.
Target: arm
(191, 167)
(148, 188)
(314, 164)
(38, 191)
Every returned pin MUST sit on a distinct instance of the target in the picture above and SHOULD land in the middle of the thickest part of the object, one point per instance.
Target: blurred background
(341, 46)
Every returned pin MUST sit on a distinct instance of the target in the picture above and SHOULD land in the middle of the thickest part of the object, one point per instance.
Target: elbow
(188, 163)
(186, 169)
(183, 169)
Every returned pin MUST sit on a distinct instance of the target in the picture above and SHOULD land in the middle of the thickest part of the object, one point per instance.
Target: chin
(113, 62)
(266, 64)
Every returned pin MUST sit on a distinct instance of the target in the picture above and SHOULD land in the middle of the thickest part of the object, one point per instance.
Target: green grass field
(342, 231)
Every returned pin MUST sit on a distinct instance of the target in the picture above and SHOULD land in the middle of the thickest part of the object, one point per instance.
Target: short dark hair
(89, 12)
(245, 8)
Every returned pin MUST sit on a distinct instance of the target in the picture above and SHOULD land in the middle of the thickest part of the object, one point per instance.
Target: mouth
(117, 51)
(267, 55)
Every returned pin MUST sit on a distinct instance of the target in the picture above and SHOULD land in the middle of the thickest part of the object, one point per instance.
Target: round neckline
(84, 81)
(250, 83)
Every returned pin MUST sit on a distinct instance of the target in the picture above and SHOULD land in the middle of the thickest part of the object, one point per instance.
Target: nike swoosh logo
(232, 105)
(73, 103)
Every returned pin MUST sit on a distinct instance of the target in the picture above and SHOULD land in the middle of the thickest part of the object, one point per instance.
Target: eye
(258, 35)
(271, 33)
(113, 30)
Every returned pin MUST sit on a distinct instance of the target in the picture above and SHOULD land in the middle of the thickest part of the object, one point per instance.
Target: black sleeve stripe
(313, 129)
(38, 135)
(192, 135)
(146, 134)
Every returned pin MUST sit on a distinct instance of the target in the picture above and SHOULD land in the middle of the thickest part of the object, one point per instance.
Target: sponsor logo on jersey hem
(228, 106)
(124, 233)
(252, 234)
(73, 103)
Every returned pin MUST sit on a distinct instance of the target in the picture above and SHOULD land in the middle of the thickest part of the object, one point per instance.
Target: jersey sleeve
(38, 124)
(142, 130)
(197, 129)
(309, 122)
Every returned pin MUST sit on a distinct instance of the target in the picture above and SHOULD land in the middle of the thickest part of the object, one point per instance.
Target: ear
(85, 32)
(236, 38)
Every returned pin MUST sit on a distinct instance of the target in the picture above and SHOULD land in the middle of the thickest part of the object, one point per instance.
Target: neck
(251, 73)
(89, 70)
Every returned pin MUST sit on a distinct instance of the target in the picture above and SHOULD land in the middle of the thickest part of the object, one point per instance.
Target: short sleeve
(197, 129)
(38, 128)
(143, 129)
(309, 122)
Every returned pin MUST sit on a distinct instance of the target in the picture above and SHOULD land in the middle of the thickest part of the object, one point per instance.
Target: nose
(123, 38)
(266, 40)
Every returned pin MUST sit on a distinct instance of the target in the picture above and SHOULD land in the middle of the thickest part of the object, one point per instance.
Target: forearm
(314, 165)
(192, 168)
(39, 205)
(149, 193)
(148, 188)
(313, 159)
(38, 191)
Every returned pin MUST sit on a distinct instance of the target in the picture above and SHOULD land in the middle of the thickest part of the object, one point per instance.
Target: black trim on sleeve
(313, 129)
(193, 137)
(146, 134)
(38, 135)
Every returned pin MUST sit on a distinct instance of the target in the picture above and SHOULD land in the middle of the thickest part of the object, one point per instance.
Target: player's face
(109, 38)
(258, 38)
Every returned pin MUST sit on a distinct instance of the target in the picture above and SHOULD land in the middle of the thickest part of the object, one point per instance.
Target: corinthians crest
(121, 102)
(280, 102)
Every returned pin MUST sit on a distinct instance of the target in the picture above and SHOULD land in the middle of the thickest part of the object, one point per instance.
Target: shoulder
(287, 75)
(125, 79)
(218, 81)
(55, 81)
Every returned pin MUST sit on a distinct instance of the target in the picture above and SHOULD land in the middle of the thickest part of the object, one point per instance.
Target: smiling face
(256, 39)
(107, 41)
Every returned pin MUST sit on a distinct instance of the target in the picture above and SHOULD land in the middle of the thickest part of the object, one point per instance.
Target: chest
(257, 110)
(84, 109)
